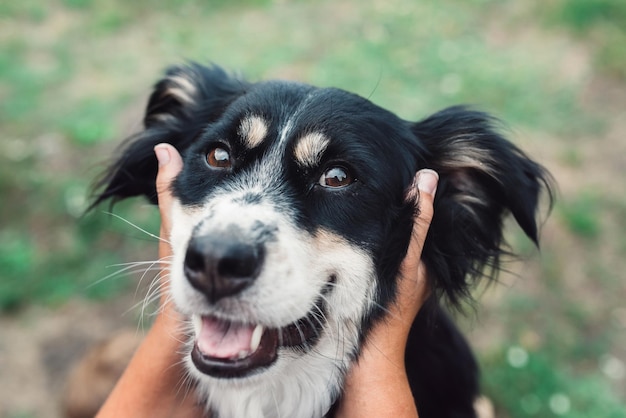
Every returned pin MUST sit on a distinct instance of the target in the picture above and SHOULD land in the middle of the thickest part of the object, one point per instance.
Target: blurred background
(75, 75)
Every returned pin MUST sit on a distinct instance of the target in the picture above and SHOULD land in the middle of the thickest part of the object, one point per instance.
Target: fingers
(427, 184)
(423, 191)
(389, 336)
(170, 164)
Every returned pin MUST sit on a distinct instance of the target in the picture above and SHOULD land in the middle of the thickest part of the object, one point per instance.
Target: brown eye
(218, 157)
(336, 177)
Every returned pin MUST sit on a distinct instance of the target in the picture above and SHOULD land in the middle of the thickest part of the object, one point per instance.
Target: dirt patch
(38, 348)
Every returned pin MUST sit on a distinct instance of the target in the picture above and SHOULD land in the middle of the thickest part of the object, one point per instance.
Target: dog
(290, 224)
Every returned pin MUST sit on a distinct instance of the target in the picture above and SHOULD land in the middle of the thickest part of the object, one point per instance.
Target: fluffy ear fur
(483, 177)
(186, 96)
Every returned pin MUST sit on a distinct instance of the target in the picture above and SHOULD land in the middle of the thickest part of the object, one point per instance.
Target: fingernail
(163, 154)
(427, 181)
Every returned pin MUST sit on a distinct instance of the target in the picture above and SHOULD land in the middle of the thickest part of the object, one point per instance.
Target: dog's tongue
(223, 339)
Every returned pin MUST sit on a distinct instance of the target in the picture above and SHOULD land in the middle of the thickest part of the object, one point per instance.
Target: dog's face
(290, 220)
(278, 223)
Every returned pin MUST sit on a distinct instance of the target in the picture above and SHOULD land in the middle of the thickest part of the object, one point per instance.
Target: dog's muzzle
(222, 266)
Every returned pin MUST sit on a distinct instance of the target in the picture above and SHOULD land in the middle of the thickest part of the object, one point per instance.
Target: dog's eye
(218, 157)
(336, 177)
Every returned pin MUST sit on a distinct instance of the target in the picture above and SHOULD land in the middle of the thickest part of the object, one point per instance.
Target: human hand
(377, 384)
(170, 164)
(154, 383)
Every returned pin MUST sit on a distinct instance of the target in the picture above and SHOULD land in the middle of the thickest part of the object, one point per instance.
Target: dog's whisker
(184, 331)
(128, 270)
(320, 318)
(145, 303)
(154, 289)
(150, 234)
(186, 387)
(158, 281)
(153, 294)
(151, 266)
(154, 297)
(156, 294)
(138, 263)
(186, 383)
(310, 322)
(302, 336)
(142, 305)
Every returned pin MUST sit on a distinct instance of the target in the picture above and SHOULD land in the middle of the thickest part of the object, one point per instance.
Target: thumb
(423, 192)
(427, 184)
(170, 164)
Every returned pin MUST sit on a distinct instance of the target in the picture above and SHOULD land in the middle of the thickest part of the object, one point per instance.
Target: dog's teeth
(243, 354)
(256, 338)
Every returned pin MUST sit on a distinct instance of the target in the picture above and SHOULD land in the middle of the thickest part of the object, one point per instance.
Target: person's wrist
(387, 341)
(383, 357)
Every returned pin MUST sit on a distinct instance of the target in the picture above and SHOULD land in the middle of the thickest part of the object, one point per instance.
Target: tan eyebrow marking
(309, 149)
(253, 130)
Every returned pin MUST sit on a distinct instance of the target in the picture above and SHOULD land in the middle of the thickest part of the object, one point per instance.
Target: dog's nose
(222, 266)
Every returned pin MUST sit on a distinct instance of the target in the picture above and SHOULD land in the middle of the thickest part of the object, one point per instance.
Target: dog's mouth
(228, 349)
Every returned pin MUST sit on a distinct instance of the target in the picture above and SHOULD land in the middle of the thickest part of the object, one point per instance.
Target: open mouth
(229, 349)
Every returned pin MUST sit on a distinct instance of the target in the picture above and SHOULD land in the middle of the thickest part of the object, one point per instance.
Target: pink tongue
(222, 339)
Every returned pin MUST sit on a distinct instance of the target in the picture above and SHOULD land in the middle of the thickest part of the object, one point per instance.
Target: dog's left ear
(483, 177)
(181, 105)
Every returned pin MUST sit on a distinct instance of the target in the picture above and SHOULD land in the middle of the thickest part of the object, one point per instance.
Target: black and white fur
(297, 221)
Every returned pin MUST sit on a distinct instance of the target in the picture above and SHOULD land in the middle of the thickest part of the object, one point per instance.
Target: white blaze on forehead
(253, 130)
(309, 149)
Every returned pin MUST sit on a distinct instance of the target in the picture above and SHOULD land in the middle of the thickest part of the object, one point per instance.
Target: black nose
(222, 266)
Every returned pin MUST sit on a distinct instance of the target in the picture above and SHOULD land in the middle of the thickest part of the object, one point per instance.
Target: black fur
(134, 172)
(483, 177)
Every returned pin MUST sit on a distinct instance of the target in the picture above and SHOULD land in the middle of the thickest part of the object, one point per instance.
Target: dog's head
(291, 219)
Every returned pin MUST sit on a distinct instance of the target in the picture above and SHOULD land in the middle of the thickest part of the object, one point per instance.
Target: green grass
(584, 15)
(74, 75)
(551, 364)
(602, 23)
(87, 123)
(532, 385)
(59, 264)
(582, 215)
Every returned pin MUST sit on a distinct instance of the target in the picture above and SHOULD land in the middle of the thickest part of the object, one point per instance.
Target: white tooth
(196, 321)
(256, 338)
(242, 354)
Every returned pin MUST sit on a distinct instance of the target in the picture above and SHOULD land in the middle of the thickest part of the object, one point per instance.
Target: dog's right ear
(181, 105)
